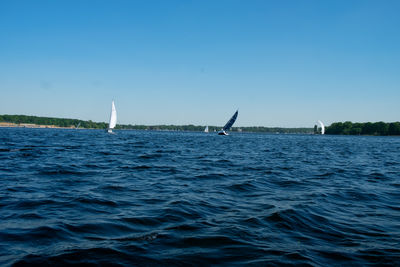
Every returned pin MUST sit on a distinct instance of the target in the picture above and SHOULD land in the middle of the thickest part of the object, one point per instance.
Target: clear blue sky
(282, 63)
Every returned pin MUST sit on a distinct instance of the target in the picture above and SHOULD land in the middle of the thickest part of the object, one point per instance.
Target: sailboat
(113, 118)
(321, 128)
(206, 129)
(229, 124)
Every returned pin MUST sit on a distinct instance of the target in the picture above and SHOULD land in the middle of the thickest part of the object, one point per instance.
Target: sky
(281, 63)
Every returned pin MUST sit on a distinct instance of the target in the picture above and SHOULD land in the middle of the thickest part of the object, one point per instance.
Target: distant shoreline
(12, 125)
(33, 126)
(336, 128)
(24, 121)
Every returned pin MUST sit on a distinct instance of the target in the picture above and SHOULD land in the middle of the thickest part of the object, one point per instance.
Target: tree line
(367, 128)
(343, 128)
(60, 122)
(75, 123)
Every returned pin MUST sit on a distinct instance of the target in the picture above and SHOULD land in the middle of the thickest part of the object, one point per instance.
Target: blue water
(171, 198)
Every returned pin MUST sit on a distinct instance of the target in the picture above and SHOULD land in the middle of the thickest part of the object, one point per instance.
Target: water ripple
(168, 198)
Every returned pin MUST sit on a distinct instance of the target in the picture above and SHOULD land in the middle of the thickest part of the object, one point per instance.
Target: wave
(154, 198)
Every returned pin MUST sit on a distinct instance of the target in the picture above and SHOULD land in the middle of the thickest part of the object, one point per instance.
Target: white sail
(113, 117)
(206, 129)
(322, 126)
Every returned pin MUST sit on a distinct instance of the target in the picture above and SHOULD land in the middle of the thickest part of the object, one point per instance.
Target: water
(169, 198)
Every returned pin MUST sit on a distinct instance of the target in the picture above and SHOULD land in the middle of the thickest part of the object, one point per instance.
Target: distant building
(28, 125)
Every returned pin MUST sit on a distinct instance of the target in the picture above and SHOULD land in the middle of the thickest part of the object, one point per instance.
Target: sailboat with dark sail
(229, 124)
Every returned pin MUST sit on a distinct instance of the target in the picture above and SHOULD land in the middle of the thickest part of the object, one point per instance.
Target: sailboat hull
(222, 133)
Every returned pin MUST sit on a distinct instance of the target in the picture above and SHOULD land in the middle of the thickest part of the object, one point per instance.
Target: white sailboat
(229, 124)
(321, 126)
(113, 118)
(206, 129)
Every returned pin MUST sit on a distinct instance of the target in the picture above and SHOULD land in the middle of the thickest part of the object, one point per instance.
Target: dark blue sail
(231, 121)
